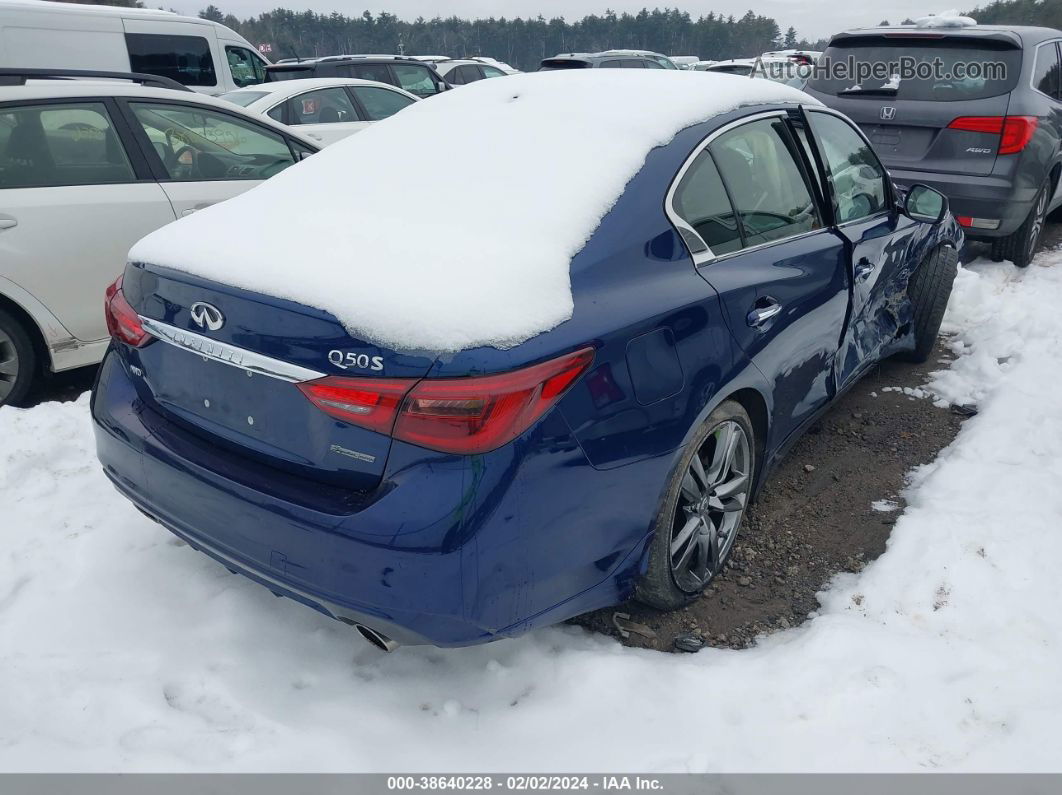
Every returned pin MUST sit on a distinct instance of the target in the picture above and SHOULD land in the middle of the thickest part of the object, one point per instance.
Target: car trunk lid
(233, 380)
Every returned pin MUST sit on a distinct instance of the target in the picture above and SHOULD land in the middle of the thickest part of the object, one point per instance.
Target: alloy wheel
(9, 365)
(1038, 222)
(712, 500)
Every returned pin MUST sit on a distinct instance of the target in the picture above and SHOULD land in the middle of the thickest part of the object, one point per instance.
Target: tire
(18, 360)
(1020, 245)
(698, 525)
(929, 291)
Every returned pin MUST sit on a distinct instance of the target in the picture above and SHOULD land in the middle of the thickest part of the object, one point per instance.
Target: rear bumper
(976, 197)
(448, 551)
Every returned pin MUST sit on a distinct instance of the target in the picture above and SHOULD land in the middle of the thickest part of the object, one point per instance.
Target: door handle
(863, 268)
(764, 310)
(8, 223)
(189, 210)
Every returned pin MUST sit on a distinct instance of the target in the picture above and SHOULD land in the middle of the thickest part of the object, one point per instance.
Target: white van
(203, 55)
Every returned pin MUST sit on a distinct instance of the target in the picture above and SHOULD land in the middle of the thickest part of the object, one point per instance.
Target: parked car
(458, 72)
(325, 109)
(733, 66)
(409, 74)
(684, 61)
(86, 169)
(502, 65)
(663, 60)
(202, 55)
(991, 143)
(744, 276)
(586, 60)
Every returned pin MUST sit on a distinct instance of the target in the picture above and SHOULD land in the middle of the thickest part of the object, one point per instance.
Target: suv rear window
(938, 58)
(288, 73)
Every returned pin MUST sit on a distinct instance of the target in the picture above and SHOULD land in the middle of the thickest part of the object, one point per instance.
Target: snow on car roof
(548, 153)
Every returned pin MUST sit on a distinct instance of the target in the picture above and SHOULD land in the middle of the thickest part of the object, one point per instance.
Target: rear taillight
(1014, 132)
(370, 403)
(123, 323)
(452, 415)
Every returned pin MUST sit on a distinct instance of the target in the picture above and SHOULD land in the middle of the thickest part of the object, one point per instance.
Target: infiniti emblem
(888, 113)
(207, 316)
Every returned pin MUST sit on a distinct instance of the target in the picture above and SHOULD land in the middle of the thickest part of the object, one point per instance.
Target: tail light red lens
(123, 323)
(1014, 132)
(453, 415)
(370, 403)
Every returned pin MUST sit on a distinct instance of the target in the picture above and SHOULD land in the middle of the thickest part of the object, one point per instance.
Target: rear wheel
(1020, 246)
(706, 500)
(929, 291)
(18, 361)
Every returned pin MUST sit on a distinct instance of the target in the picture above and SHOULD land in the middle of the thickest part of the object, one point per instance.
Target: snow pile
(526, 168)
(124, 650)
(945, 19)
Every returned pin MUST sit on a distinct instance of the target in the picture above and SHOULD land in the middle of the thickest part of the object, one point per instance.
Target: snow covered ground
(122, 650)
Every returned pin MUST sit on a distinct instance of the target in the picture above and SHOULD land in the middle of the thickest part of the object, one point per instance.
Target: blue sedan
(750, 272)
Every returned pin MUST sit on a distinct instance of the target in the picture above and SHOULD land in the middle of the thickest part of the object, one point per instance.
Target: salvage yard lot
(124, 649)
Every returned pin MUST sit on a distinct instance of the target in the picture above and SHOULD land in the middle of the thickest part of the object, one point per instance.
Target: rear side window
(416, 80)
(185, 59)
(324, 106)
(856, 175)
(634, 64)
(1045, 77)
(952, 69)
(197, 143)
(246, 67)
(702, 202)
(379, 103)
(52, 145)
(767, 187)
(610, 65)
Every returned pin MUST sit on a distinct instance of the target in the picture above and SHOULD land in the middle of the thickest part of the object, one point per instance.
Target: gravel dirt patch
(813, 519)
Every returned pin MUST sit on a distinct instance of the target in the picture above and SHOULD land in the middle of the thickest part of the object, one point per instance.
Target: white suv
(88, 167)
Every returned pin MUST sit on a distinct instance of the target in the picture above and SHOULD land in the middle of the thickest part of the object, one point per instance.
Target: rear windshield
(292, 73)
(243, 98)
(908, 68)
(562, 63)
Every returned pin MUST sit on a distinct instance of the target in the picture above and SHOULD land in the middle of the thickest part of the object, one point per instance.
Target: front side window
(856, 174)
(325, 106)
(702, 202)
(379, 103)
(417, 80)
(1045, 78)
(246, 67)
(197, 144)
(767, 186)
(490, 71)
(611, 65)
(185, 59)
(52, 145)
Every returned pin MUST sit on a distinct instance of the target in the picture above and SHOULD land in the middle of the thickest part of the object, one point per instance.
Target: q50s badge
(355, 361)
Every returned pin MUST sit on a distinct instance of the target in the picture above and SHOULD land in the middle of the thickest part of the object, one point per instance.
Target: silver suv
(88, 166)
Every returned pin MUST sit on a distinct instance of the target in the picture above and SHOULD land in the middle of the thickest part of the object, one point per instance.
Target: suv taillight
(1014, 132)
(453, 415)
(123, 323)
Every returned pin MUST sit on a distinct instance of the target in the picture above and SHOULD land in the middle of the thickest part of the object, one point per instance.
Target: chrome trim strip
(228, 354)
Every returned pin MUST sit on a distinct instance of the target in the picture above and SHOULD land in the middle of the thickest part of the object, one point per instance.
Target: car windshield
(985, 69)
(243, 98)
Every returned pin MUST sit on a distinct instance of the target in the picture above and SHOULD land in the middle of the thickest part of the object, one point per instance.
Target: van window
(51, 145)
(246, 67)
(185, 59)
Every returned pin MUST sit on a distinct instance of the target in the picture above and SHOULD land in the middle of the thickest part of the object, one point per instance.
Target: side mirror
(922, 203)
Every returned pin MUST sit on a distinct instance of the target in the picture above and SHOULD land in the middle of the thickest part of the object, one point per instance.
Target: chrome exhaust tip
(380, 641)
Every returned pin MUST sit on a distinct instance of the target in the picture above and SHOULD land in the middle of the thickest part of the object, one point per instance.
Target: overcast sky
(811, 18)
